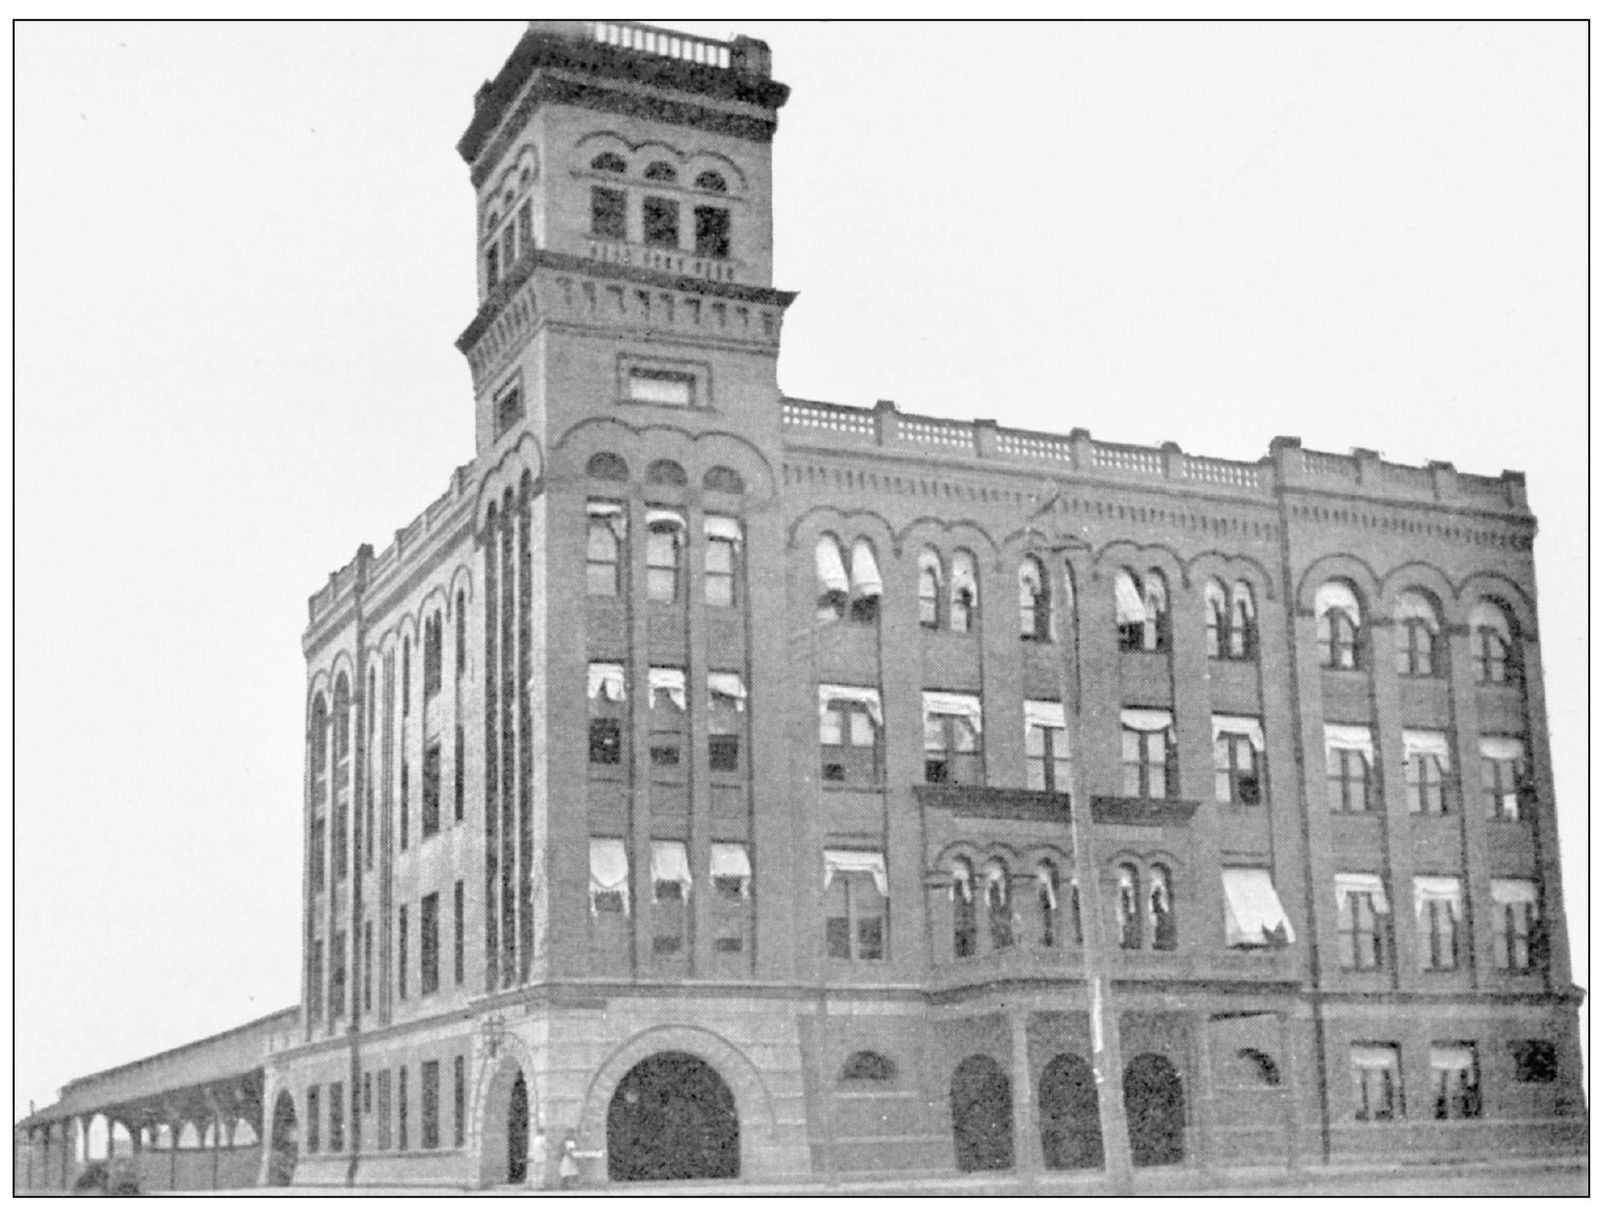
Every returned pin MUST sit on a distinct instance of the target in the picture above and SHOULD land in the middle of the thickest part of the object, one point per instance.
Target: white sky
(243, 253)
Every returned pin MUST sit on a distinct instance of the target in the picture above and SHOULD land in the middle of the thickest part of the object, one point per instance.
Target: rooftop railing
(669, 43)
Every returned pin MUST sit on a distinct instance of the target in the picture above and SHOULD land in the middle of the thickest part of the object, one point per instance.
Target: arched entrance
(1071, 1126)
(1156, 1111)
(282, 1141)
(672, 1117)
(982, 1115)
(519, 1133)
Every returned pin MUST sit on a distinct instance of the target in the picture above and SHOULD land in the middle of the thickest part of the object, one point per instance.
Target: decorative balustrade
(651, 39)
(1222, 473)
(1032, 446)
(1128, 459)
(827, 417)
(935, 431)
(1477, 484)
(1406, 477)
(1332, 465)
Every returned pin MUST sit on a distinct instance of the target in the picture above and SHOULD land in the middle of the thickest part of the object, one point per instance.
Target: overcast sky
(243, 253)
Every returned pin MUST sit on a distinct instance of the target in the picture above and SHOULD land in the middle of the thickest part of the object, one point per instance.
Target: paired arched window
(964, 938)
(856, 583)
(1035, 601)
(319, 737)
(964, 592)
(999, 904)
(1494, 643)
(1142, 610)
(1128, 906)
(930, 577)
(1338, 625)
(342, 708)
(1228, 617)
(607, 466)
(1046, 900)
(1416, 635)
(1161, 908)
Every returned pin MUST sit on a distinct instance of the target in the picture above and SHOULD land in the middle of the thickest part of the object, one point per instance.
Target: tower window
(492, 266)
(711, 182)
(662, 171)
(609, 162)
(661, 388)
(711, 232)
(660, 222)
(609, 214)
(510, 407)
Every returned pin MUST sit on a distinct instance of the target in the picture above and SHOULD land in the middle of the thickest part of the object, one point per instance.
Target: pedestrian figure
(570, 1172)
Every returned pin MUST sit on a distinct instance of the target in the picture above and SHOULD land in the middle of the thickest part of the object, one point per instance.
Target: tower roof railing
(670, 43)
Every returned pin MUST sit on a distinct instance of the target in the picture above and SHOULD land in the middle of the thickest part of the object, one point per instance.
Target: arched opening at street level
(283, 1141)
(672, 1118)
(982, 1115)
(1071, 1126)
(1155, 1110)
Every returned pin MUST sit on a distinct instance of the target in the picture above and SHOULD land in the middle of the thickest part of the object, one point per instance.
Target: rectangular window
(458, 1101)
(609, 891)
(606, 708)
(316, 981)
(1502, 772)
(383, 1109)
(848, 723)
(338, 976)
(1147, 753)
(430, 1087)
(1456, 1092)
(730, 896)
(660, 222)
(1046, 747)
(431, 791)
(856, 891)
(660, 388)
(403, 1108)
(402, 952)
(668, 716)
(609, 213)
(725, 719)
(338, 1130)
(1362, 909)
(606, 532)
(952, 743)
(671, 880)
(313, 1119)
(1438, 920)
(1351, 753)
(711, 232)
(369, 966)
(1239, 742)
(1518, 935)
(664, 554)
(458, 932)
(428, 944)
(721, 561)
(458, 773)
(509, 408)
(1427, 767)
(1378, 1093)
(1535, 1060)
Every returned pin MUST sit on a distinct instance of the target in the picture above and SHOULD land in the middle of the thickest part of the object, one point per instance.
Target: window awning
(1451, 1058)
(851, 863)
(1486, 615)
(1254, 913)
(1043, 714)
(866, 697)
(952, 704)
(1413, 605)
(608, 678)
(1251, 728)
(1502, 749)
(1514, 892)
(731, 861)
(1335, 594)
(609, 511)
(1148, 720)
(1374, 1056)
(672, 681)
(1345, 883)
(664, 517)
(727, 685)
(831, 567)
(865, 580)
(722, 528)
(1352, 737)
(1427, 741)
(607, 870)
(1445, 889)
(1155, 596)
(962, 881)
(1128, 607)
(668, 863)
(963, 576)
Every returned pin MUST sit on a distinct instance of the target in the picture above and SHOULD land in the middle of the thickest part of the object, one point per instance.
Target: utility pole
(1101, 1004)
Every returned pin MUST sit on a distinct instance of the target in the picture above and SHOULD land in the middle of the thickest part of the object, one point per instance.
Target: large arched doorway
(282, 1141)
(672, 1117)
(1071, 1125)
(982, 1115)
(519, 1131)
(1156, 1111)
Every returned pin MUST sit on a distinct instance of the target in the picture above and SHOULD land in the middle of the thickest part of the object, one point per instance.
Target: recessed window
(607, 466)
(661, 171)
(609, 213)
(1351, 753)
(721, 561)
(1046, 746)
(1535, 1060)
(1493, 644)
(1438, 921)
(1378, 1092)
(606, 707)
(1427, 766)
(1142, 611)
(1238, 743)
(1147, 753)
(952, 739)
(509, 408)
(1338, 625)
(868, 1066)
(848, 721)
(1519, 935)
(664, 554)
(711, 232)
(711, 182)
(1416, 635)
(606, 530)
(660, 222)
(660, 387)
(1502, 775)
(1035, 603)
(721, 478)
(666, 473)
(1362, 911)
(856, 892)
(608, 161)
(609, 882)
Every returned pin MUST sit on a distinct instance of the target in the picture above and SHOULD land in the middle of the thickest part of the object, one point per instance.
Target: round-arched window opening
(720, 477)
(711, 182)
(1260, 1066)
(661, 171)
(667, 473)
(608, 466)
(868, 1066)
(608, 161)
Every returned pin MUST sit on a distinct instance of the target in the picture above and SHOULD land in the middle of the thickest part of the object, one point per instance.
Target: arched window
(999, 904)
(608, 161)
(711, 182)
(1035, 602)
(666, 473)
(1142, 611)
(1337, 625)
(1416, 630)
(965, 592)
(866, 585)
(342, 708)
(722, 542)
(929, 589)
(721, 478)
(1046, 886)
(661, 171)
(1128, 907)
(606, 528)
(319, 737)
(1260, 1067)
(1161, 908)
(1244, 632)
(459, 633)
(964, 938)
(833, 583)
(868, 1066)
(1216, 619)
(1493, 643)
(431, 654)
(607, 466)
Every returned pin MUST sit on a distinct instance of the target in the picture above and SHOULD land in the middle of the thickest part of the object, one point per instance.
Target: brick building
(691, 775)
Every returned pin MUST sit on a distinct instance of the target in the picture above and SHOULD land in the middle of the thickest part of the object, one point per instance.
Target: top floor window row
(508, 244)
(665, 540)
(659, 171)
(660, 217)
(1421, 646)
(847, 585)
(1228, 617)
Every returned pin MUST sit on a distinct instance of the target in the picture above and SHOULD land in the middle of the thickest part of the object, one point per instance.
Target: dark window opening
(711, 232)
(609, 214)
(604, 740)
(510, 408)
(660, 222)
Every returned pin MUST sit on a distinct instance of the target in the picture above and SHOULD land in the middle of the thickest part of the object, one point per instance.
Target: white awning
(731, 861)
(852, 863)
(609, 678)
(1128, 607)
(1352, 737)
(1251, 728)
(728, 685)
(952, 704)
(1148, 720)
(672, 681)
(668, 863)
(610, 511)
(865, 580)
(1043, 714)
(995, 874)
(1345, 883)
(962, 881)
(1254, 914)
(1437, 888)
(1046, 878)
(664, 517)
(831, 567)
(607, 871)
(722, 528)
(1428, 741)
(1451, 1058)
(1486, 615)
(1155, 595)
(1503, 749)
(1413, 605)
(1374, 1056)
(867, 697)
(1335, 594)
(963, 576)
(1514, 892)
